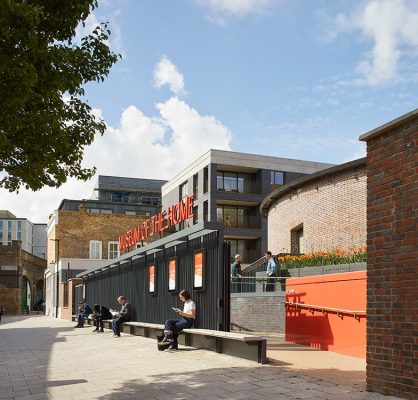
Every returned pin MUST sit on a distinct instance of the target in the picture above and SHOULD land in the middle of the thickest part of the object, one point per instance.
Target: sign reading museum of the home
(165, 219)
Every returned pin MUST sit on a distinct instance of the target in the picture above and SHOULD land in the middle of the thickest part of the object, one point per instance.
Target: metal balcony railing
(357, 314)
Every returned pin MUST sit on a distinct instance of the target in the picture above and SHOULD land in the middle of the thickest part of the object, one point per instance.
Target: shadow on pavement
(228, 383)
(24, 359)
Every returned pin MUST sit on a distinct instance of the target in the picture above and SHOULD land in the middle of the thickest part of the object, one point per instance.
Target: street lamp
(58, 274)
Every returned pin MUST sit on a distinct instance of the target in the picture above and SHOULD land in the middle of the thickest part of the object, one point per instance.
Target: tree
(44, 122)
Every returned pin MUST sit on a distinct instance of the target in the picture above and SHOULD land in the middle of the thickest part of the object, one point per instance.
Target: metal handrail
(325, 310)
(262, 278)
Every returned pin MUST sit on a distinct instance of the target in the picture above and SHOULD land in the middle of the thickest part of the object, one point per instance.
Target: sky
(296, 79)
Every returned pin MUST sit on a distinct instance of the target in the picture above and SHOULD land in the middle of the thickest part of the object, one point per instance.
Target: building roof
(243, 161)
(282, 190)
(390, 125)
(119, 183)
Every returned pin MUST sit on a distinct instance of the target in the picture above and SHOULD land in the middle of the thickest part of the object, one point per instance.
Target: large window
(184, 190)
(235, 182)
(195, 185)
(19, 230)
(245, 248)
(237, 217)
(277, 178)
(9, 231)
(95, 250)
(113, 250)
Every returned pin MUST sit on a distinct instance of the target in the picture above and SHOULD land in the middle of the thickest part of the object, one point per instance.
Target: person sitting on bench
(100, 313)
(172, 327)
(85, 311)
(124, 315)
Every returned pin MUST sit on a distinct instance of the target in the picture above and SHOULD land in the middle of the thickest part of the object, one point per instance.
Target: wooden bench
(235, 344)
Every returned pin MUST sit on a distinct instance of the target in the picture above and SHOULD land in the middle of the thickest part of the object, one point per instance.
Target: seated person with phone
(174, 326)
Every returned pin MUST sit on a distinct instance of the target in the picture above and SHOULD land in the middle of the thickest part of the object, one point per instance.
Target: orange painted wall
(328, 332)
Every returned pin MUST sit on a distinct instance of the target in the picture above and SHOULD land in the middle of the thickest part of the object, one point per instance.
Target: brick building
(21, 279)
(78, 241)
(323, 211)
(392, 238)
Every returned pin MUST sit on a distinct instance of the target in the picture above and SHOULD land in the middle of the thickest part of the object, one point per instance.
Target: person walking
(124, 315)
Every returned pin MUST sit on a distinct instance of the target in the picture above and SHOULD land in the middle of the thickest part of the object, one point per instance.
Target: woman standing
(174, 326)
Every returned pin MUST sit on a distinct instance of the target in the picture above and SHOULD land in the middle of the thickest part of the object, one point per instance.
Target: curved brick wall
(331, 208)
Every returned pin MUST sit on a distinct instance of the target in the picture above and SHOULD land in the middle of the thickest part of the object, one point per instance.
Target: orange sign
(172, 274)
(198, 269)
(157, 223)
(152, 278)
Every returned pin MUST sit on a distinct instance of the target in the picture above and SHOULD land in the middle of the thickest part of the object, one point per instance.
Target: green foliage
(42, 137)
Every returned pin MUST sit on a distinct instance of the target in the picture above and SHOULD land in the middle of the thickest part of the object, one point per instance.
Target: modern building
(32, 236)
(319, 212)
(229, 187)
(21, 278)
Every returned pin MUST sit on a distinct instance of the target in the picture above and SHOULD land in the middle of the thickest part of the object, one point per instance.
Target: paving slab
(42, 358)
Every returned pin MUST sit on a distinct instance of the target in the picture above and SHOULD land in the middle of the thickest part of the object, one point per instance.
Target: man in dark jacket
(85, 311)
(124, 315)
(100, 313)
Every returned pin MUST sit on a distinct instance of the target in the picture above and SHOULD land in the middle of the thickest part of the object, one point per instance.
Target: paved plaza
(44, 358)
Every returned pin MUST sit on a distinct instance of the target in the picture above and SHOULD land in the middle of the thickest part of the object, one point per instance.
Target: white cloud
(141, 146)
(166, 73)
(219, 9)
(392, 27)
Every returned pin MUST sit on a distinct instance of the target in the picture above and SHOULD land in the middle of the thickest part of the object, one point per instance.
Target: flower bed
(320, 258)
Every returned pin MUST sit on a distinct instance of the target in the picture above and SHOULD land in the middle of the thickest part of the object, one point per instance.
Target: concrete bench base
(232, 343)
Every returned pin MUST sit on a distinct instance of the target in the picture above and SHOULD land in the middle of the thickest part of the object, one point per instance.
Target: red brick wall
(332, 210)
(392, 305)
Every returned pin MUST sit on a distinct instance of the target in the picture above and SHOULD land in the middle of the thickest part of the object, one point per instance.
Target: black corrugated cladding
(130, 278)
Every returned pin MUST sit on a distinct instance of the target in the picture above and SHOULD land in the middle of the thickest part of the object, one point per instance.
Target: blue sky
(289, 78)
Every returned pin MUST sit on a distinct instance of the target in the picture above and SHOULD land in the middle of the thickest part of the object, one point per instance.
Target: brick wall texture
(331, 209)
(258, 314)
(75, 229)
(29, 266)
(392, 298)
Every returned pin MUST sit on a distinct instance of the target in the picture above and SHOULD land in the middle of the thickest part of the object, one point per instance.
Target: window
(150, 201)
(95, 250)
(195, 215)
(130, 212)
(205, 179)
(205, 211)
(105, 211)
(19, 230)
(113, 250)
(277, 178)
(195, 185)
(9, 231)
(122, 197)
(237, 217)
(296, 238)
(245, 248)
(94, 210)
(1, 231)
(235, 182)
(184, 190)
